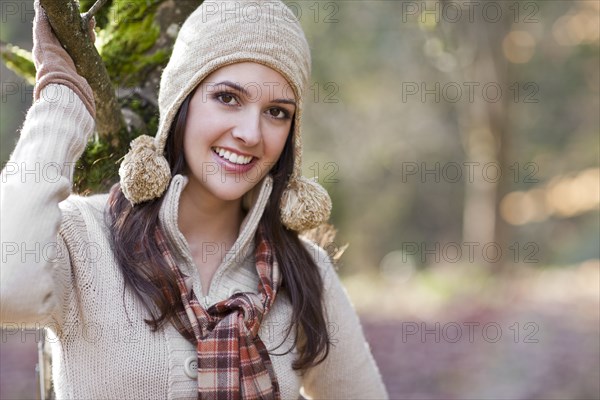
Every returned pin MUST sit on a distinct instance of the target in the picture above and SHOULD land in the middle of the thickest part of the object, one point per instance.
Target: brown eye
(227, 98)
(277, 113)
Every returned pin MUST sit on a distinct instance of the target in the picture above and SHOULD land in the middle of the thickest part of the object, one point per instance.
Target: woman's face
(237, 124)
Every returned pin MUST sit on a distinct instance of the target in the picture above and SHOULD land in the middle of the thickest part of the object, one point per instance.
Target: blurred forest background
(460, 143)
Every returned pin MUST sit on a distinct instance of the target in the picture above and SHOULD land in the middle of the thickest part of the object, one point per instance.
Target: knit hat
(216, 34)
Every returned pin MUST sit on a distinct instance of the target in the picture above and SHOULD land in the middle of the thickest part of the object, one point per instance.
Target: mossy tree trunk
(134, 40)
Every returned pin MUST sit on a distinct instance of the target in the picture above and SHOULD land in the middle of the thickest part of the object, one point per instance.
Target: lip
(228, 166)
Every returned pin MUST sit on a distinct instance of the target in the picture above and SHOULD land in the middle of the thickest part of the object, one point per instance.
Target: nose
(248, 129)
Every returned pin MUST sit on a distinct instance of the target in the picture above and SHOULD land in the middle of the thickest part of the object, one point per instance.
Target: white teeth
(232, 157)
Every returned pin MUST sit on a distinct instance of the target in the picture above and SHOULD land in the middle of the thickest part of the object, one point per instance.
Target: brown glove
(53, 64)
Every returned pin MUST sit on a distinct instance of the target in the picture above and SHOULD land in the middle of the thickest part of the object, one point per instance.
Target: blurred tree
(479, 63)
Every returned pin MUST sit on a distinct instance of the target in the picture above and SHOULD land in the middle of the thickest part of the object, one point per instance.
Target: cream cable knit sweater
(58, 272)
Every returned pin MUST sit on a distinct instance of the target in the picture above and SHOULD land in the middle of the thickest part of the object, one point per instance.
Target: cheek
(189, 141)
(195, 148)
(276, 145)
(198, 132)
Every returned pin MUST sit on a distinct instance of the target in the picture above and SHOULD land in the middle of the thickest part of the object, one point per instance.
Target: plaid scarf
(233, 362)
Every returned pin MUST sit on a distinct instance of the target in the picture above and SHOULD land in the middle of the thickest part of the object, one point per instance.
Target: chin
(230, 191)
(225, 187)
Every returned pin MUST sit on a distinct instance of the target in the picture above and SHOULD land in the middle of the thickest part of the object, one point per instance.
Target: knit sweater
(59, 273)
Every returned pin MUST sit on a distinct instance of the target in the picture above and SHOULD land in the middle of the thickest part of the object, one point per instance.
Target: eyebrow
(241, 89)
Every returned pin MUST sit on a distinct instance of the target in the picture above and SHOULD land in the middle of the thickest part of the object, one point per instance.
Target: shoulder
(321, 258)
(95, 202)
(83, 212)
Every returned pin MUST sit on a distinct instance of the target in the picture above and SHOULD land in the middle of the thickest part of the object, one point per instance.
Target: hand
(53, 64)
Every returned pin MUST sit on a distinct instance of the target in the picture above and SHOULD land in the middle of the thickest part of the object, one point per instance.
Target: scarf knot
(248, 306)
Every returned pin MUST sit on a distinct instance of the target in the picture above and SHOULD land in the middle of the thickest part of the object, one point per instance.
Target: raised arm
(37, 178)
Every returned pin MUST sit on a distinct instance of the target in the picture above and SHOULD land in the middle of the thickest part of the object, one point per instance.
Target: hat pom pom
(144, 172)
(304, 205)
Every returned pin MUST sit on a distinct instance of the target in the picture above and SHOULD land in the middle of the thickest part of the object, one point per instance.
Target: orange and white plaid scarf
(233, 362)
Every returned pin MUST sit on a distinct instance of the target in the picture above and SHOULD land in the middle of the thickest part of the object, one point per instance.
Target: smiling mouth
(232, 157)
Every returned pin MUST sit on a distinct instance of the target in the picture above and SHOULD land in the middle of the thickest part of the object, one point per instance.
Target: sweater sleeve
(38, 176)
(349, 371)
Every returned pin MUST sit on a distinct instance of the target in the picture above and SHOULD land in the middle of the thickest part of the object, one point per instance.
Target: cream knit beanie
(217, 34)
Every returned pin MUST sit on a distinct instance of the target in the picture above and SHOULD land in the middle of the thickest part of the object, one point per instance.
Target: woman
(188, 279)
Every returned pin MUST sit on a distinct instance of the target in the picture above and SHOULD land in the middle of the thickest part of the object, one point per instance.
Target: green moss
(19, 61)
(127, 41)
(125, 45)
(98, 168)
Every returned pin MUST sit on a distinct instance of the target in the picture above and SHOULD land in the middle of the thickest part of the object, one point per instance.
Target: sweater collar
(256, 201)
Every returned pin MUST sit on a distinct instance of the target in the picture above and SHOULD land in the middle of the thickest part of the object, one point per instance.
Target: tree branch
(73, 33)
(92, 11)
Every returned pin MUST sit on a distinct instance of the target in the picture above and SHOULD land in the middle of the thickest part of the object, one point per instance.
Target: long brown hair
(147, 274)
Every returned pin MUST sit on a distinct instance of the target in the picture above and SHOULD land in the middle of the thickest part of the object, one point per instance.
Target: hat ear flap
(144, 172)
(304, 205)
